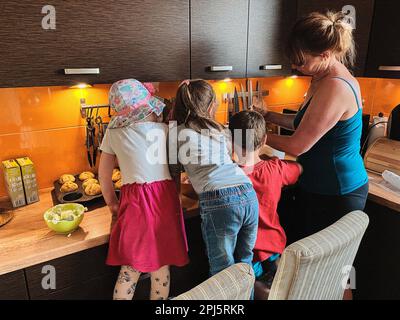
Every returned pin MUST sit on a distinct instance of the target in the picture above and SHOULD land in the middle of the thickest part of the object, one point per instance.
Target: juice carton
(29, 179)
(13, 181)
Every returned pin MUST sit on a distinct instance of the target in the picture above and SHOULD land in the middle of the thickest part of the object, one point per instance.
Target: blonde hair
(193, 100)
(317, 32)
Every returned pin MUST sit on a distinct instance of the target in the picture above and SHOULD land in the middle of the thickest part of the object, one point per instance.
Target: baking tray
(77, 196)
(5, 216)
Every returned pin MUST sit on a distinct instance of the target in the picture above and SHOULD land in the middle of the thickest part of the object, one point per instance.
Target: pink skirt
(149, 232)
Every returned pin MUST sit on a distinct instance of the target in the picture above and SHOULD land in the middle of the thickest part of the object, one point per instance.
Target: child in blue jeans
(228, 202)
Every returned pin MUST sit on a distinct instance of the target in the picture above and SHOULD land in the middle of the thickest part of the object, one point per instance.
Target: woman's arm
(283, 120)
(327, 107)
(106, 167)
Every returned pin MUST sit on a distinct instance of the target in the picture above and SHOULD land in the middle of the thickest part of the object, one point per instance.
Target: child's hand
(114, 219)
(114, 209)
(114, 214)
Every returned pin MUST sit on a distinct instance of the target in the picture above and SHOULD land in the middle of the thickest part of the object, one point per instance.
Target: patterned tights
(128, 278)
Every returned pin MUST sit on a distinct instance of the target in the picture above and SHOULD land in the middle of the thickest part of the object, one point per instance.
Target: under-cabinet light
(81, 86)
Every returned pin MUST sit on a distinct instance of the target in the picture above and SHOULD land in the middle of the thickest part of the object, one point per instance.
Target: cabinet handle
(82, 71)
(221, 68)
(271, 67)
(389, 68)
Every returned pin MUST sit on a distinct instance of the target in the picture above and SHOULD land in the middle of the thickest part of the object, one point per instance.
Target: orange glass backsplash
(45, 124)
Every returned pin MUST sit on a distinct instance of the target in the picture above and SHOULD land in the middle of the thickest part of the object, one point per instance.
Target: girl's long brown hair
(193, 100)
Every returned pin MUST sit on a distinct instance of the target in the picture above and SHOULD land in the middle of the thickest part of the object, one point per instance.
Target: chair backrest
(234, 283)
(317, 267)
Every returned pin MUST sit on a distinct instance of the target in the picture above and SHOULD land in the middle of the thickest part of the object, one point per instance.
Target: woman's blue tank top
(334, 166)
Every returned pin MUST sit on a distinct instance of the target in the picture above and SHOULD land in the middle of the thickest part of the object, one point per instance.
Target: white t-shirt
(141, 150)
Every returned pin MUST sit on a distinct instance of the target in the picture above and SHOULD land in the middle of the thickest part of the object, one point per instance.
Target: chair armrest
(233, 283)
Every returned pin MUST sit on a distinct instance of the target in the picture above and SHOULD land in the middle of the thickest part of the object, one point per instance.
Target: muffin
(116, 175)
(86, 175)
(66, 178)
(118, 185)
(88, 182)
(69, 186)
(93, 189)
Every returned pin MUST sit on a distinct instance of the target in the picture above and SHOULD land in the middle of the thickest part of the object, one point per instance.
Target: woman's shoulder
(338, 86)
(338, 78)
(341, 94)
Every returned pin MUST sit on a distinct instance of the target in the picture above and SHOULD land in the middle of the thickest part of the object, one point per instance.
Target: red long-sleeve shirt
(268, 178)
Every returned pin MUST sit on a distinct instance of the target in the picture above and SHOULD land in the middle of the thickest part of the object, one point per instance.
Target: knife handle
(94, 157)
(89, 158)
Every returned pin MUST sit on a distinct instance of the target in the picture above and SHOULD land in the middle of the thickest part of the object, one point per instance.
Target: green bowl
(64, 218)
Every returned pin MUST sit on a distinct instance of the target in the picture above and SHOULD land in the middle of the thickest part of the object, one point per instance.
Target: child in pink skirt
(148, 233)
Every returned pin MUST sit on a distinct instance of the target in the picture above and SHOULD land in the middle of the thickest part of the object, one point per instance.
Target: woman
(328, 126)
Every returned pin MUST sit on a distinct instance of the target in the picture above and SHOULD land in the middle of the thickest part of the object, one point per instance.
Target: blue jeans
(229, 225)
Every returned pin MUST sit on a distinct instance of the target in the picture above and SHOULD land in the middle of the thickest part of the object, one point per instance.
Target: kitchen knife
(93, 135)
(259, 94)
(250, 85)
(243, 97)
(230, 107)
(87, 142)
(88, 132)
(236, 101)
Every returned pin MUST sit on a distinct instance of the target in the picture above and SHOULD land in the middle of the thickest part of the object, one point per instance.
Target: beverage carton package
(13, 181)
(29, 179)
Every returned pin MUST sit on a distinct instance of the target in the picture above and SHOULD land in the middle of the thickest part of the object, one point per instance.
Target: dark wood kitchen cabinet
(79, 276)
(269, 26)
(147, 40)
(362, 10)
(384, 50)
(13, 286)
(377, 262)
(85, 276)
(219, 38)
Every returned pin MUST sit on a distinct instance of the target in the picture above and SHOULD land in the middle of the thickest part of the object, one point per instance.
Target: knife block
(229, 96)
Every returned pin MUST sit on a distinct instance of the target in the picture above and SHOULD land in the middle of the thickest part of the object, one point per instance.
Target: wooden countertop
(26, 240)
(380, 195)
(377, 193)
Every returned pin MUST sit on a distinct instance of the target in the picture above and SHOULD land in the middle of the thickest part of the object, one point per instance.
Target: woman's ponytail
(344, 45)
(317, 32)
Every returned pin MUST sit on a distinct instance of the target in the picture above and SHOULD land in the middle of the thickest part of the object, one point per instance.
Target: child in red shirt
(268, 177)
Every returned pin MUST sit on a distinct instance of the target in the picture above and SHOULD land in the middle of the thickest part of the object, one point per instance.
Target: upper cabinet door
(147, 40)
(384, 49)
(219, 38)
(360, 11)
(270, 22)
